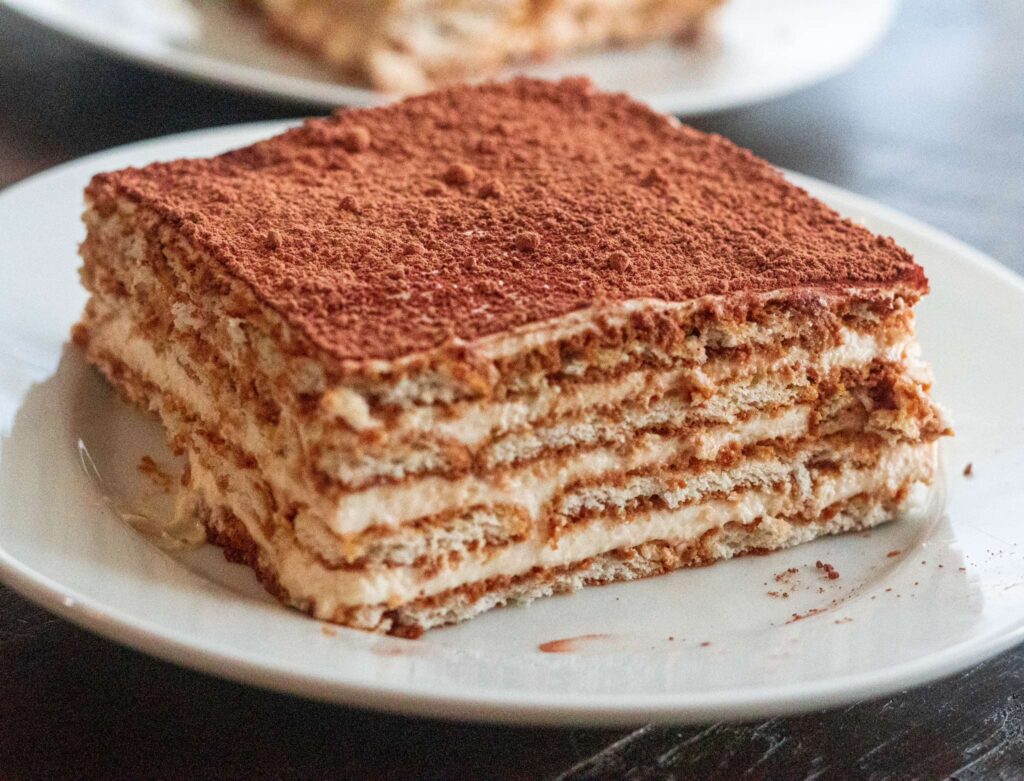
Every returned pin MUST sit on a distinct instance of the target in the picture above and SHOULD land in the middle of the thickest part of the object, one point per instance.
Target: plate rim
(500, 706)
(253, 80)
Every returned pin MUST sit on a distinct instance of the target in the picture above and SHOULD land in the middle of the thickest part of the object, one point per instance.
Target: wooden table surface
(931, 123)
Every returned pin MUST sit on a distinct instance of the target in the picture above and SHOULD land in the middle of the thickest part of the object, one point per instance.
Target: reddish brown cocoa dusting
(568, 645)
(969, 469)
(812, 612)
(830, 572)
(355, 139)
(528, 241)
(893, 554)
(459, 174)
(148, 467)
(628, 205)
(407, 632)
(388, 651)
(392, 648)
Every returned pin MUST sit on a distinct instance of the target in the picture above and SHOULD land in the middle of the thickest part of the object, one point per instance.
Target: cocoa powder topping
(527, 241)
(573, 184)
(492, 190)
(356, 139)
(459, 174)
(618, 261)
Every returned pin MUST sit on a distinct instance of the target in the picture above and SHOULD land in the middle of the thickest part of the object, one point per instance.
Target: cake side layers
(499, 519)
(843, 403)
(461, 438)
(349, 596)
(511, 504)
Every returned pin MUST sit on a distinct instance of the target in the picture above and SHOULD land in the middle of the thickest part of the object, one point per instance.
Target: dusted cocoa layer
(134, 258)
(400, 246)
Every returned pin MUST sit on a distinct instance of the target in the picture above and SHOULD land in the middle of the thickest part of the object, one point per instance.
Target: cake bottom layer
(653, 557)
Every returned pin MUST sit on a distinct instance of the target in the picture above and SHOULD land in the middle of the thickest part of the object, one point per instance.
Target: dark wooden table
(931, 123)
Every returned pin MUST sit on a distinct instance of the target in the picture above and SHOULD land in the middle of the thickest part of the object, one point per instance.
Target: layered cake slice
(498, 342)
(407, 47)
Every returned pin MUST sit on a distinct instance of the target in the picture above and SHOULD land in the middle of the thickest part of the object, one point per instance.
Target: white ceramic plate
(756, 50)
(916, 600)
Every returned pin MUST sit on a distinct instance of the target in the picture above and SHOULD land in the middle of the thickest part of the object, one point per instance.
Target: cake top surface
(464, 213)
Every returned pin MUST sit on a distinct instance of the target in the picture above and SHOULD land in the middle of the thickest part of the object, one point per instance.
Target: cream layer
(472, 423)
(395, 504)
(533, 485)
(302, 575)
(427, 388)
(495, 524)
(556, 417)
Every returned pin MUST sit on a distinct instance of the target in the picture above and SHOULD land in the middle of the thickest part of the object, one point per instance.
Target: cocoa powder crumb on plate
(568, 645)
(830, 572)
(148, 467)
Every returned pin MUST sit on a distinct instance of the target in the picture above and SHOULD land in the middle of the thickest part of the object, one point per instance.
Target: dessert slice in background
(436, 357)
(408, 47)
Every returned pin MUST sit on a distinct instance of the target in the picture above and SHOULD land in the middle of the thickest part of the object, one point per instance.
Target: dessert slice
(407, 47)
(498, 342)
